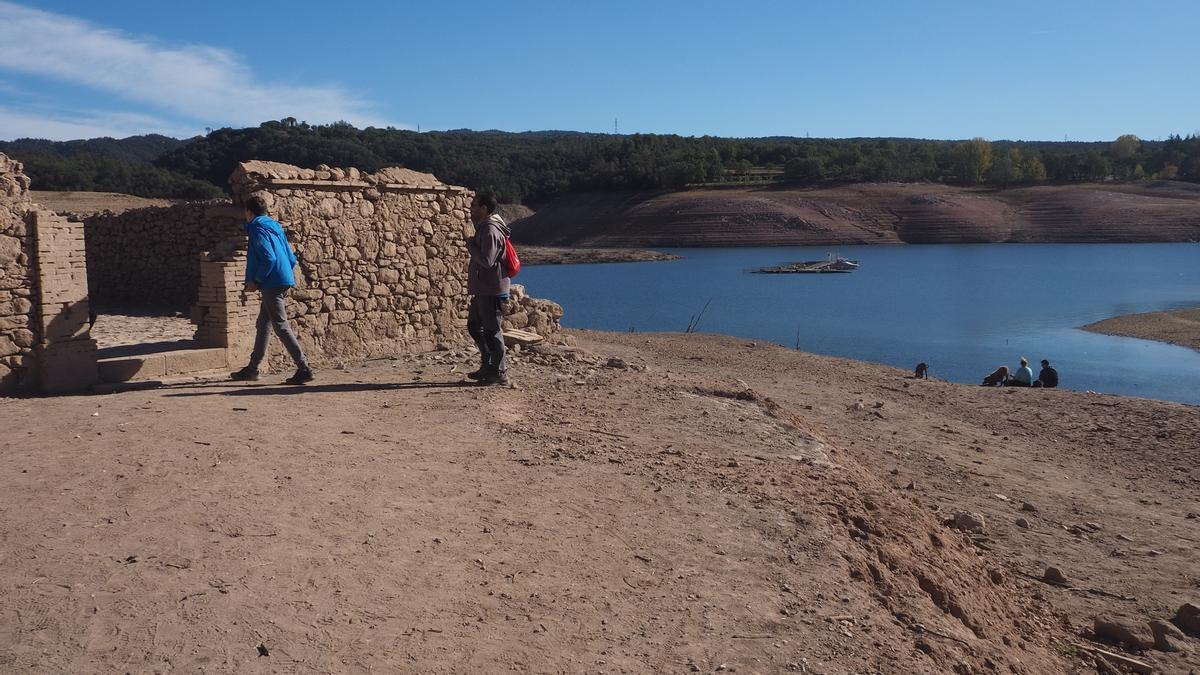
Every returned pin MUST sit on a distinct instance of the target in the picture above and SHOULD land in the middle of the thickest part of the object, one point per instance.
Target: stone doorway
(145, 279)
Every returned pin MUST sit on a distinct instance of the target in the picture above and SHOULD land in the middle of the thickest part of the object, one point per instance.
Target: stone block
(194, 360)
(67, 367)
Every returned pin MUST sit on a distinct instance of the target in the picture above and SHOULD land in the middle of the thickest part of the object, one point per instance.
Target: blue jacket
(269, 259)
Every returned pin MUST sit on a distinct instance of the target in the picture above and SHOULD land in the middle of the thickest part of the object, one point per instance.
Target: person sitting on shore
(997, 378)
(921, 372)
(1048, 377)
(1023, 377)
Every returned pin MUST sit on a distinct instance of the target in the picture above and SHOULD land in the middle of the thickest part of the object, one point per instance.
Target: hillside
(869, 213)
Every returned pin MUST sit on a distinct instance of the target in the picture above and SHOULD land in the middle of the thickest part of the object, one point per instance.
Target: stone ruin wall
(381, 256)
(17, 316)
(149, 257)
(382, 270)
(382, 259)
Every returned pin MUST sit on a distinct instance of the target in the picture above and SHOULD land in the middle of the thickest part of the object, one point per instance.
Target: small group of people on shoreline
(270, 262)
(1023, 376)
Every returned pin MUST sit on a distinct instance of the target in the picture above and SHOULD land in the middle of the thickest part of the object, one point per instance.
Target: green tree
(807, 169)
(972, 160)
(1033, 170)
(1126, 146)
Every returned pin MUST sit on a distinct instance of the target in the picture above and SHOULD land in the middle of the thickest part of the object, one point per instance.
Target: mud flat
(555, 255)
(1180, 327)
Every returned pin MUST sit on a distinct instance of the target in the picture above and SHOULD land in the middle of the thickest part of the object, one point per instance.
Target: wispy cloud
(59, 125)
(202, 84)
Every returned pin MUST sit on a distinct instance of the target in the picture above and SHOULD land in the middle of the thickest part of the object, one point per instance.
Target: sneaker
(478, 374)
(494, 379)
(301, 377)
(246, 374)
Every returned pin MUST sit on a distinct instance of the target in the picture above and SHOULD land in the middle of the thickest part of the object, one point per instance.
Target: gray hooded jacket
(485, 274)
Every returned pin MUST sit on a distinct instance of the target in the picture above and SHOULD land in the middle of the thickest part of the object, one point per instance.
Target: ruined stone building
(382, 271)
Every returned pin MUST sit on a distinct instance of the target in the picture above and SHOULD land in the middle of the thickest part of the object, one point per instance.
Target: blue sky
(1019, 70)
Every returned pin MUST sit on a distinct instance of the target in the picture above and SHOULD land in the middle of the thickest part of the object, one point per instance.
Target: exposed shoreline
(556, 255)
(869, 213)
(1179, 327)
(758, 505)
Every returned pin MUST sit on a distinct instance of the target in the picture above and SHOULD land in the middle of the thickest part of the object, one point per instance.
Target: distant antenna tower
(616, 129)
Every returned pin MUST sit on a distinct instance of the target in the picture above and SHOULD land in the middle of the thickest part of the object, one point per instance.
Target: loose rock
(1167, 638)
(1053, 575)
(1188, 618)
(1126, 631)
(966, 521)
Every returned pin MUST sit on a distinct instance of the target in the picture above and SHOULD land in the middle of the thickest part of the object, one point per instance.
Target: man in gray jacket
(487, 284)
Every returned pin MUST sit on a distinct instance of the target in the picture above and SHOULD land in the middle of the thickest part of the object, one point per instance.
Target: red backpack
(512, 264)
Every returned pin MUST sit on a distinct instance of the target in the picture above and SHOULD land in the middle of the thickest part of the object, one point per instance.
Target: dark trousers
(484, 319)
(272, 314)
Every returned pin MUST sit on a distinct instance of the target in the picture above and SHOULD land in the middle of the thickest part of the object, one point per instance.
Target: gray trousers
(484, 320)
(273, 314)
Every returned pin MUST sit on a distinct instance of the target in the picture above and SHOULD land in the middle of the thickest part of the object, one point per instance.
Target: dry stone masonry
(17, 338)
(382, 270)
(66, 352)
(382, 258)
(149, 256)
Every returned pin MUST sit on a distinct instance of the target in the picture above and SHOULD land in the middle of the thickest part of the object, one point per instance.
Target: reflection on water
(963, 309)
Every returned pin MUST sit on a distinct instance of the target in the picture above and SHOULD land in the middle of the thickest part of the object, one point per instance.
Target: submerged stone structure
(44, 314)
(382, 270)
(16, 278)
(382, 256)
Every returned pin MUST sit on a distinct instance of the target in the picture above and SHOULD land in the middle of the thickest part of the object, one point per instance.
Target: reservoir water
(963, 309)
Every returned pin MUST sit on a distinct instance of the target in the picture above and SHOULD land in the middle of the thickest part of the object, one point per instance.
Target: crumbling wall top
(14, 184)
(257, 174)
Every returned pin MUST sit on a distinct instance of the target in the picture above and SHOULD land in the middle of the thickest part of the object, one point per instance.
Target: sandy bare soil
(869, 213)
(555, 255)
(1180, 327)
(87, 203)
(119, 328)
(645, 503)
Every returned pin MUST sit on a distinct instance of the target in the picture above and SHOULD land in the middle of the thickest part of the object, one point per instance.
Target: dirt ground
(124, 327)
(87, 203)
(869, 213)
(644, 503)
(1180, 327)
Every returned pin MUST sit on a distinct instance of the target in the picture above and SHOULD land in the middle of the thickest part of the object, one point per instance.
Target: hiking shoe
(494, 379)
(301, 377)
(478, 374)
(246, 374)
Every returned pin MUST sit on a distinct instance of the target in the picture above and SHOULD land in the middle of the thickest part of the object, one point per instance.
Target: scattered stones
(1023, 523)
(616, 362)
(1028, 508)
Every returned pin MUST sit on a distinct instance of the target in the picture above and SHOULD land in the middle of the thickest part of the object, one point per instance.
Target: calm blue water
(963, 309)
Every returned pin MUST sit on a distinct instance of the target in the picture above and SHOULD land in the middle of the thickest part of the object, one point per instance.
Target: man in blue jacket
(269, 264)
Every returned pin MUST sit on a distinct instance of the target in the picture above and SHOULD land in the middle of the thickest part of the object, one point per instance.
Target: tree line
(534, 167)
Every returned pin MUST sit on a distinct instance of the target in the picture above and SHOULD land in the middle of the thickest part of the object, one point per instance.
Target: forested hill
(534, 167)
(143, 149)
(107, 165)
